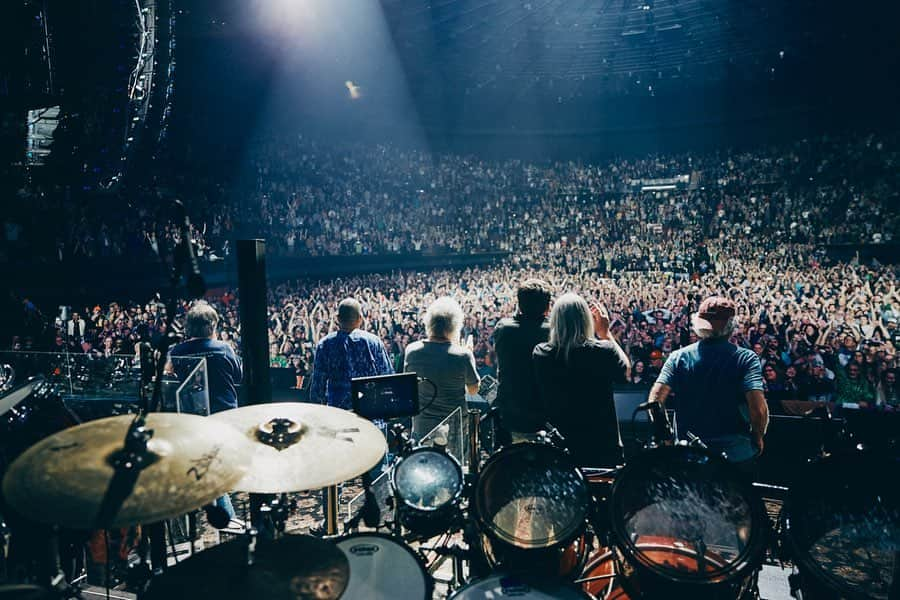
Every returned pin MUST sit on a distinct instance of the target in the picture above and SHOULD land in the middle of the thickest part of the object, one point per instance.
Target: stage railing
(95, 386)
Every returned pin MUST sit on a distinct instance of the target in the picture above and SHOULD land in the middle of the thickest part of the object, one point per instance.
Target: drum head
(505, 586)
(531, 496)
(381, 568)
(687, 516)
(842, 524)
(428, 479)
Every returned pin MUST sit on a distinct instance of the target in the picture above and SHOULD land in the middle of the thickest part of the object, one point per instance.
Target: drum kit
(676, 521)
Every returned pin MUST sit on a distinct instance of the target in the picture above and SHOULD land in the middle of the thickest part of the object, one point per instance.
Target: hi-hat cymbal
(304, 446)
(65, 479)
(294, 567)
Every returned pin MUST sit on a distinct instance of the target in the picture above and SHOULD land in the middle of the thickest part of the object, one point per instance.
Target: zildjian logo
(341, 434)
(202, 464)
(64, 447)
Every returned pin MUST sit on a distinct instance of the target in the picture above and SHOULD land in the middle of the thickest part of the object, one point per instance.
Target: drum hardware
(7, 377)
(474, 421)
(460, 556)
(551, 435)
(331, 510)
(275, 513)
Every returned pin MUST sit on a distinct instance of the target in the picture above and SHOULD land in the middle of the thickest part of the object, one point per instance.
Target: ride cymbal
(304, 446)
(70, 478)
(294, 567)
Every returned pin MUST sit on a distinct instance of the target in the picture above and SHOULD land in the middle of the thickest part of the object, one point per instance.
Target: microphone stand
(135, 455)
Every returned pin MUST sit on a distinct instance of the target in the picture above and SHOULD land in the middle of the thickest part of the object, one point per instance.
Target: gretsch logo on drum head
(364, 549)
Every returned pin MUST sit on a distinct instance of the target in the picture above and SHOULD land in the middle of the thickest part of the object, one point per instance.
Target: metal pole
(474, 453)
(331, 510)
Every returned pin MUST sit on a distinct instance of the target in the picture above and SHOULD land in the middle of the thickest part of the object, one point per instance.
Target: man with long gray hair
(718, 387)
(575, 371)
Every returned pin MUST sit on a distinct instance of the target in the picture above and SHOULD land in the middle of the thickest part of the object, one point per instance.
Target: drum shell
(562, 557)
(642, 578)
(839, 484)
(561, 561)
(429, 522)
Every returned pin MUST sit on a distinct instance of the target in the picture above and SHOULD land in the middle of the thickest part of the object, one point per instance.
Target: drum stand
(274, 514)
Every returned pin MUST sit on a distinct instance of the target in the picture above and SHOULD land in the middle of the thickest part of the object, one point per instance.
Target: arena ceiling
(641, 42)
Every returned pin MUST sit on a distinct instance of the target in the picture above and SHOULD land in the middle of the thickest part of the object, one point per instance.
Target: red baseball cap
(714, 313)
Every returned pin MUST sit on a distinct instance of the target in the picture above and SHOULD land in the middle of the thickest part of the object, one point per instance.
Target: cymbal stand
(274, 514)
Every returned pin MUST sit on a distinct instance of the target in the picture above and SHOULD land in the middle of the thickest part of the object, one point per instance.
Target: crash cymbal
(304, 446)
(65, 479)
(294, 567)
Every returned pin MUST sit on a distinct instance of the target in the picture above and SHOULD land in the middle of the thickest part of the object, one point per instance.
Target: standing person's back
(715, 383)
(518, 399)
(440, 359)
(575, 372)
(223, 367)
(345, 354)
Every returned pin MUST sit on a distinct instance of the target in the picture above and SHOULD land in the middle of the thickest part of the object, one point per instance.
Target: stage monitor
(385, 396)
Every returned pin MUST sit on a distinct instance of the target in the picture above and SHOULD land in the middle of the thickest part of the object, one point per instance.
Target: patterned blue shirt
(341, 356)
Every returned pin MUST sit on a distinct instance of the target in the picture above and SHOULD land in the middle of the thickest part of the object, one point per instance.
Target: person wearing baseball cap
(718, 387)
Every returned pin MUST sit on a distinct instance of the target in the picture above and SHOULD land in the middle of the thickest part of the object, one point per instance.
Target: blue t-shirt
(223, 367)
(341, 356)
(710, 379)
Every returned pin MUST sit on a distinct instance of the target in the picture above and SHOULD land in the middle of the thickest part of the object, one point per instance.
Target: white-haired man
(442, 360)
(718, 387)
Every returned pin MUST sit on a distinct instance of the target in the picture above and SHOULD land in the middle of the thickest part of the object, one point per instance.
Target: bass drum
(685, 523)
(840, 526)
(532, 504)
(382, 568)
(506, 586)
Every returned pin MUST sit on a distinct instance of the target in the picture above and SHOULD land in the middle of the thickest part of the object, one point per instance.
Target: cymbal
(301, 446)
(65, 479)
(294, 567)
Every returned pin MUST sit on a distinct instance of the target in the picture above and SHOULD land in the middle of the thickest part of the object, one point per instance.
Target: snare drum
(427, 484)
(506, 586)
(531, 504)
(840, 526)
(686, 524)
(382, 568)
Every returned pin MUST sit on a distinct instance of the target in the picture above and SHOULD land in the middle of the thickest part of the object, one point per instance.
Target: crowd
(824, 332)
(751, 226)
(309, 199)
